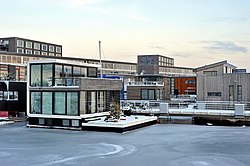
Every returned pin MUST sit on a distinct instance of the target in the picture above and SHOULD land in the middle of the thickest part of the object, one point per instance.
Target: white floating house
(63, 95)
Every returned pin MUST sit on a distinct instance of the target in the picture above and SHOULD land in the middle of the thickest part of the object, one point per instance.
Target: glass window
(37, 52)
(47, 103)
(37, 46)
(28, 51)
(75, 123)
(210, 73)
(44, 47)
(58, 75)
(58, 55)
(60, 101)
(83, 102)
(214, 94)
(20, 43)
(72, 103)
(28, 44)
(144, 94)
(101, 101)
(91, 102)
(65, 122)
(41, 121)
(76, 71)
(92, 72)
(35, 76)
(83, 72)
(51, 48)
(58, 49)
(51, 54)
(47, 74)
(239, 92)
(44, 53)
(20, 51)
(151, 94)
(35, 103)
(68, 74)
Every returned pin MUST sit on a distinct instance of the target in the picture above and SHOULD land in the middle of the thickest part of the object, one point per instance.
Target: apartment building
(29, 47)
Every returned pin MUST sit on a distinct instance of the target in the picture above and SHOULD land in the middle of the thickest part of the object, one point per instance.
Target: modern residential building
(63, 94)
(30, 47)
(159, 79)
(221, 81)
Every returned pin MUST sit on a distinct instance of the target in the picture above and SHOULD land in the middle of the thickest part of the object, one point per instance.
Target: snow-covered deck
(131, 122)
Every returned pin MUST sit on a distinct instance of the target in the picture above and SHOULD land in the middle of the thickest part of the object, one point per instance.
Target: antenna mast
(100, 56)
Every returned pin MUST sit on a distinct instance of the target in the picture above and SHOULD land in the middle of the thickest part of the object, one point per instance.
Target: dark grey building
(27, 46)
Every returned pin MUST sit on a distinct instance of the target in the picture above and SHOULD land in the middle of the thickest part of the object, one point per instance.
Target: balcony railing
(67, 82)
(146, 83)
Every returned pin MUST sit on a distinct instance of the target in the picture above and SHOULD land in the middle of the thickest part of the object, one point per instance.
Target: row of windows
(118, 66)
(71, 103)
(56, 122)
(151, 94)
(21, 51)
(165, 61)
(54, 103)
(8, 72)
(52, 74)
(8, 95)
(38, 46)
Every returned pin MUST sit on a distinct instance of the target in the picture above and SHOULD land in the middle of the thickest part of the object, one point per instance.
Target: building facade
(30, 47)
(222, 82)
(63, 94)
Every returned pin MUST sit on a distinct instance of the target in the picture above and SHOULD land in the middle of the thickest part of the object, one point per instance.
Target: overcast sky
(193, 32)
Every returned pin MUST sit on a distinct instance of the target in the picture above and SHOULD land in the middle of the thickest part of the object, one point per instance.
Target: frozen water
(161, 144)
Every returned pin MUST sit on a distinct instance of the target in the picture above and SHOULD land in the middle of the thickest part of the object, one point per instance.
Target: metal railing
(67, 81)
(146, 83)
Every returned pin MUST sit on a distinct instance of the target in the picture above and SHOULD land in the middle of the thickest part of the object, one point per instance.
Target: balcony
(67, 81)
(146, 83)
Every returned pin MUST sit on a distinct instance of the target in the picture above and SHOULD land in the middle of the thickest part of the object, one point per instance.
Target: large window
(47, 74)
(54, 103)
(101, 101)
(72, 103)
(35, 76)
(47, 103)
(35, 103)
(92, 72)
(60, 100)
(91, 95)
(58, 75)
(148, 94)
